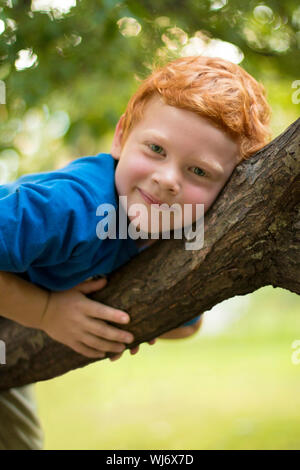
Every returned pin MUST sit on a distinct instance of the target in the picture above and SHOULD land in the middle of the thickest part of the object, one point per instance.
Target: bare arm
(67, 316)
(182, 331)
(21, 301)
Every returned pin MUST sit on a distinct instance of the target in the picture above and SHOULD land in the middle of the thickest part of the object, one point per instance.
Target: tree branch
(252, 236)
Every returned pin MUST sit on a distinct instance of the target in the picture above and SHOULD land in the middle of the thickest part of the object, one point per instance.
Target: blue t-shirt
(48, 224)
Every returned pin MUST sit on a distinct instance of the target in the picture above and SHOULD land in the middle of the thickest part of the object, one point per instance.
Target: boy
(183, 133)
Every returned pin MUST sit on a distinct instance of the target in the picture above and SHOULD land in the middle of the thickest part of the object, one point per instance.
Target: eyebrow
(211, 167)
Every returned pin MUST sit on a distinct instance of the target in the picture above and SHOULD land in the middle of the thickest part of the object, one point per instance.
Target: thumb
(92, 285)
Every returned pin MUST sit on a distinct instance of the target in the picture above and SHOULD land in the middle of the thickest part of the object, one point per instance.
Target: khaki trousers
(20, 427)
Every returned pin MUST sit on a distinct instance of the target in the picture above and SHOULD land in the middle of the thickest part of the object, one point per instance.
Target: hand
(183, 331)
(80, 323)
(133, 351)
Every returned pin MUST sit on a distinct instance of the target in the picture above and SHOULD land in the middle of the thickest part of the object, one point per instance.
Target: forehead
(186, 132)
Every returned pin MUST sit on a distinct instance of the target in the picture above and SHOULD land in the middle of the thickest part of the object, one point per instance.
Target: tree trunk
(252, 236)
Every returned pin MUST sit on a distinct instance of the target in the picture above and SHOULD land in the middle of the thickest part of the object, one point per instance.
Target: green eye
(156, 148)
(198, 173)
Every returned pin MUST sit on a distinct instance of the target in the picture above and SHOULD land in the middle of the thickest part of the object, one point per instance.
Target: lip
(148, 198)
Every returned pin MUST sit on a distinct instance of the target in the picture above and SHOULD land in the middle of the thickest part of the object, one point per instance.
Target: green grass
(235, 390)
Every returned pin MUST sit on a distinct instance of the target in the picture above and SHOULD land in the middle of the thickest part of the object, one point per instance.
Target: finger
(115, 357)
(100, 344)
(152, 341)
(105, 312)
(92, 285)
(134, 350)
(87, 351)
(101, 329)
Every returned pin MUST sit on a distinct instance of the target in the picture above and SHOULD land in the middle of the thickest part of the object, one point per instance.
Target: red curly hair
(214, 88)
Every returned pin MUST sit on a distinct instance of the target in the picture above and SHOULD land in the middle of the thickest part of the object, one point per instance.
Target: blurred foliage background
(70, 67)
(67, 70)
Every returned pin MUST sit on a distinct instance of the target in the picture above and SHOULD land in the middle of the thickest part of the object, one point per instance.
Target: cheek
(132, 170)
(194, 195)
(136, 169)
(200, 195)
(141, 169)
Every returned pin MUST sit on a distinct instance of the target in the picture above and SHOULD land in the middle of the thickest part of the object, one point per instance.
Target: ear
(116, 143)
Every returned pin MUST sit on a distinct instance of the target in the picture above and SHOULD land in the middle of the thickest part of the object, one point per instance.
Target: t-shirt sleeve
(42, 224)
(193, 321)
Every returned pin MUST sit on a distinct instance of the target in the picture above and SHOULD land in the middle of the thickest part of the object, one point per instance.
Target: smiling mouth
(148, 198)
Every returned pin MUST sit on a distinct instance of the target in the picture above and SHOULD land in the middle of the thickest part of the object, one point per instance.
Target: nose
(168, 179)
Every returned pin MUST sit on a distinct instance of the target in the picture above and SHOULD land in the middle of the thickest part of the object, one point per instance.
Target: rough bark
(252, 236)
